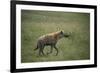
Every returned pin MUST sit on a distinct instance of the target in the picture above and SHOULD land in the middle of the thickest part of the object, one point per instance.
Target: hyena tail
(39, 44)
(36, 48)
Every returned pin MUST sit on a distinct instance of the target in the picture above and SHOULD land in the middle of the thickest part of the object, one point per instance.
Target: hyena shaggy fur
(49, 40)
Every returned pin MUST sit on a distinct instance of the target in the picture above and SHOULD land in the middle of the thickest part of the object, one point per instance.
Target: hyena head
(62, 34)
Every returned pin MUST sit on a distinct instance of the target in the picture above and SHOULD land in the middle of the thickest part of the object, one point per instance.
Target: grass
(37, 23)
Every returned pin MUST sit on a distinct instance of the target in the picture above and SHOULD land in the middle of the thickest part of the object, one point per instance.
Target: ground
(37, 23)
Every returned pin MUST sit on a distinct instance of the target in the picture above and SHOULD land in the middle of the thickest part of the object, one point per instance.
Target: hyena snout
(66, 35)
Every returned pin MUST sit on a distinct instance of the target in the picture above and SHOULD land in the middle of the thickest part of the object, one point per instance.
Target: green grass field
(37, 23)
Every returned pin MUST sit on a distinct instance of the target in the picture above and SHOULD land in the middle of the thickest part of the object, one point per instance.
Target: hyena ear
(61, 32)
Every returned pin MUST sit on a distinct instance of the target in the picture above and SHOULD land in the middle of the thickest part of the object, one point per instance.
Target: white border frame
(20, 65)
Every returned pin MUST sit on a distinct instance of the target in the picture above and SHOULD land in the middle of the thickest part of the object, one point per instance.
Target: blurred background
(37, 23)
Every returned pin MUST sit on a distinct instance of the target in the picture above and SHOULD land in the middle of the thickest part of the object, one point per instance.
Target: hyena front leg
(56, 49)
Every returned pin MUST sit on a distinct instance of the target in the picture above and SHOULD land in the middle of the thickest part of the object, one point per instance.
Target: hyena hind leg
(41, 51)
(56, 50)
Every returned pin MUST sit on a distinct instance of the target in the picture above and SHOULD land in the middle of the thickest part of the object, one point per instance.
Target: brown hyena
(49, 40)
